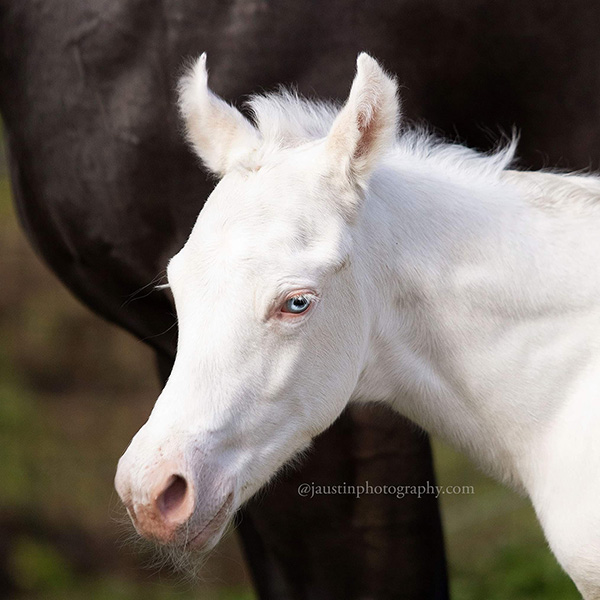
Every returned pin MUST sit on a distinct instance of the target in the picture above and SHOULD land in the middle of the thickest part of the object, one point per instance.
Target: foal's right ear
(366, 127)
(219, 133)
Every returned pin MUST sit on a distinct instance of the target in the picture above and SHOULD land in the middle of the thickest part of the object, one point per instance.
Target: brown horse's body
(107, 190)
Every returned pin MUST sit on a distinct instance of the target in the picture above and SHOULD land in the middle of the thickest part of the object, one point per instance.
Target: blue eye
(296, 304)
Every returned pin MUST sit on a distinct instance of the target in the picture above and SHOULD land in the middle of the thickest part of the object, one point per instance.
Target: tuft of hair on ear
(367, 125)
(218, 132)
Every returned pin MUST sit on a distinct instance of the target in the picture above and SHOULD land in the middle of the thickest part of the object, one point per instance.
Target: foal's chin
(204, 536)
(199, 535)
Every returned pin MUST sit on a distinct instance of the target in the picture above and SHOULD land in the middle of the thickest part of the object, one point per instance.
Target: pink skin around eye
(284, 314)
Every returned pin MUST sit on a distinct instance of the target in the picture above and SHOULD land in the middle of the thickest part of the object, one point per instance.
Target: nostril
(172, 500)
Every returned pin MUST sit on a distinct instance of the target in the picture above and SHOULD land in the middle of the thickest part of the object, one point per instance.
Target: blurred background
(73, 391)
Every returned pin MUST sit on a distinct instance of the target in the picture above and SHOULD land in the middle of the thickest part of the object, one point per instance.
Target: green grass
(496, 548)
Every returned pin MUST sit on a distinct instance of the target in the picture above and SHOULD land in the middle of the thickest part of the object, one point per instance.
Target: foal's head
(270, 302)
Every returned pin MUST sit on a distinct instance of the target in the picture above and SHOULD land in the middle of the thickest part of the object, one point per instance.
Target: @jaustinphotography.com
(310, 490)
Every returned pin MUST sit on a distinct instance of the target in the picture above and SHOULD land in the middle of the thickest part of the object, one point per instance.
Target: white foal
(338, 261)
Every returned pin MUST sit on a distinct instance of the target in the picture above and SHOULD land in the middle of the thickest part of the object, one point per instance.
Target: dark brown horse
(107, 191)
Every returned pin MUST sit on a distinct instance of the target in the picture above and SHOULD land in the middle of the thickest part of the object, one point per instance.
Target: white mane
(557, 191)
(286, 120)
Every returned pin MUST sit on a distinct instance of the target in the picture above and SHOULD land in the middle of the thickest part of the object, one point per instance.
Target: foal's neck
(485, 308)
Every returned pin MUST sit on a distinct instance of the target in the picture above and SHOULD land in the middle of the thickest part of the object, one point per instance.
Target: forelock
(286, 120)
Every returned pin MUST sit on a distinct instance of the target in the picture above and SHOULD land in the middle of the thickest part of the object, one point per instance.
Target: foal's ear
(219, 133)
(367, 124)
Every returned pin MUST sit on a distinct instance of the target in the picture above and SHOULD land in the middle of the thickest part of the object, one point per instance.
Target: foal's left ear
(219, 132)
(367, 124)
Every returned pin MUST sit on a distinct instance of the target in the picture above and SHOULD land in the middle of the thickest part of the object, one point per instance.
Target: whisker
(153, 285)
(159, 334)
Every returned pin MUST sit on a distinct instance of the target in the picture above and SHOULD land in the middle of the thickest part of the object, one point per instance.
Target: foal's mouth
(200, 539)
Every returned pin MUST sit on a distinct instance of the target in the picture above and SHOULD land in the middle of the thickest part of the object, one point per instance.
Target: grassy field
(496, 548)
(73, 390)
